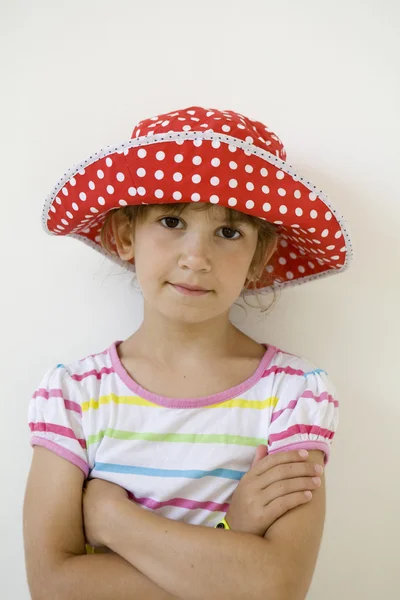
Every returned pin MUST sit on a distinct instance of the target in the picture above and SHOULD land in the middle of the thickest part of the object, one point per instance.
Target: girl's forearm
(100, 576)
(194, 562)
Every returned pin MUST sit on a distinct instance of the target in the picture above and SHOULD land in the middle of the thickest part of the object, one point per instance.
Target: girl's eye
(169, 220)
(231, 231)
(171, 223)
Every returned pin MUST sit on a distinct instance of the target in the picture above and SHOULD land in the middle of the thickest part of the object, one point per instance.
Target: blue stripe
(189, 474)
(315, 371)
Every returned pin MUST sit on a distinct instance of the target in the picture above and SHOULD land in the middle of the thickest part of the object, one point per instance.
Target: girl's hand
(99, 497)
(273, 485)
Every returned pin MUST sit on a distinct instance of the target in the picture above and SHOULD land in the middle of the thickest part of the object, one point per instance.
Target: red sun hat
(206, 155)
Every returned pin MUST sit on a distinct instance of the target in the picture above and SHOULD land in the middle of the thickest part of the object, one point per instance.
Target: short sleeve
(306, 414)
(55, 417)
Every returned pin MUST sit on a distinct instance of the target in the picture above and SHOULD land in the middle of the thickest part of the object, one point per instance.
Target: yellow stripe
(138, 401)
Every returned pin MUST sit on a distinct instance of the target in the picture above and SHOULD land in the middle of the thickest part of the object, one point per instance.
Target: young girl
(189, 425)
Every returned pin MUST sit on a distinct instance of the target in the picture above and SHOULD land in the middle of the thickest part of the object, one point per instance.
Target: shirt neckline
(189, 402)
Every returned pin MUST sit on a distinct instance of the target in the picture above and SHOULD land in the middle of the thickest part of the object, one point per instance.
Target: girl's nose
(196, 253)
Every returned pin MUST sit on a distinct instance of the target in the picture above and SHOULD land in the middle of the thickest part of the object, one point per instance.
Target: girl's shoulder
(88, 370)
(100, 358)
(289, 362)
(288, 375)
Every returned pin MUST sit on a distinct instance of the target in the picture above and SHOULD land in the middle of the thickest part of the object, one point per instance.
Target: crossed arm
(157, 558)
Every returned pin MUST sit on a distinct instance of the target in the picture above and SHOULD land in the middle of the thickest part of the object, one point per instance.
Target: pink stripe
(321, 397)
(97, 374)
(307, 394)
(287, 370)
(295, 429)
(70, 405)
(58, 429)
(323, 446)
(56, 393)
(46, 394)
(63, 452)
(181, 503)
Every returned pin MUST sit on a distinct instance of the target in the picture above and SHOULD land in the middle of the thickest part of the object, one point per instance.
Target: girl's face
(196, 248)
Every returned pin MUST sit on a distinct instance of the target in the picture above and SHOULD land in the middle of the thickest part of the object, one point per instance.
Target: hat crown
(227, 122)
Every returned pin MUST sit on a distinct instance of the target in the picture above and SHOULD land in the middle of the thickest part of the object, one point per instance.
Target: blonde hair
(268, 233)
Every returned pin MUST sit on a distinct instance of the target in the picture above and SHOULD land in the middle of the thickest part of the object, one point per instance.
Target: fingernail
(303, 453)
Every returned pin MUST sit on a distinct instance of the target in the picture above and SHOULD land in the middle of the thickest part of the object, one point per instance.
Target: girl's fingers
(287, 487)
(278, 458)
(281, 505)
(286, 472)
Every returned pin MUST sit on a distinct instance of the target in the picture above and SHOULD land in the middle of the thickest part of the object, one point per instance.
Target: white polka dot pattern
(206, 155)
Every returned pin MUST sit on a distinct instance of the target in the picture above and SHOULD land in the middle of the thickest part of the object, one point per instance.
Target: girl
(189, 425)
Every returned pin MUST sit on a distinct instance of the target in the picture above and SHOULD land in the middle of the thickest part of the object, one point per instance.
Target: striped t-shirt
(180, 457)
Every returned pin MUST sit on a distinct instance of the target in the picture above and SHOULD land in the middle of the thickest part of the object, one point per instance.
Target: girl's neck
(171, 345)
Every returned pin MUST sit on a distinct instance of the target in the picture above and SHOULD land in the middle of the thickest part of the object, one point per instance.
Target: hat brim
(315, 241)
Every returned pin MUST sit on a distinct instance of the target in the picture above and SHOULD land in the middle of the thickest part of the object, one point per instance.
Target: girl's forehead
(207, 209)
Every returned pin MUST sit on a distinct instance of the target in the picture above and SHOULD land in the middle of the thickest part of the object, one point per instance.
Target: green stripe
(189, 438)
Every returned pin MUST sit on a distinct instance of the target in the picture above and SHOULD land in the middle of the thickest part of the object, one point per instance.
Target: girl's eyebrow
(223, 219)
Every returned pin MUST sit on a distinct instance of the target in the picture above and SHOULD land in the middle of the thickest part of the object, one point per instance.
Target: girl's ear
(123, 234)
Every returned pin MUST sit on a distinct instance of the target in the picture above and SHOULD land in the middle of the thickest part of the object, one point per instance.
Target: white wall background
(75, 77)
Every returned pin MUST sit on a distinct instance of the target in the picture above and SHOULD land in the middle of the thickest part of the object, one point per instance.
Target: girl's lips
(187, 292)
